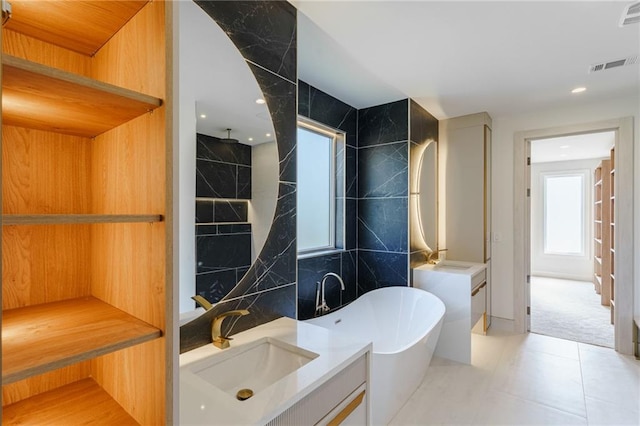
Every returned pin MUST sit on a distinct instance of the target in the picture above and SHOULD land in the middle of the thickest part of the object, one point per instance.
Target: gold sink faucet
(433, 257)
(219, 340)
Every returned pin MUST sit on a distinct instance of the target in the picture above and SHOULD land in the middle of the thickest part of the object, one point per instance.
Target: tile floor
(528, 379)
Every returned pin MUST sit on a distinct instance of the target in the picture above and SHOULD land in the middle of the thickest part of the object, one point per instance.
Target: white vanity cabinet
(462, 287)
(342, 400)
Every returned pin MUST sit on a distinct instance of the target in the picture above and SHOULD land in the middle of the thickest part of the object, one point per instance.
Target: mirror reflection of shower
(220, 99)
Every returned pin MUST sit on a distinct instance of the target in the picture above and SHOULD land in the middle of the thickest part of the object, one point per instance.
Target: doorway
(566, 253)
(623, 312)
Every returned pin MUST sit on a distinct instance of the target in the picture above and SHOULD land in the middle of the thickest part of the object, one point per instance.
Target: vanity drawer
(478, 278)
(317, 405)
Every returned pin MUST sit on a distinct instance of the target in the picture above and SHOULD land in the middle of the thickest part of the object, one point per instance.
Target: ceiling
(575, 147)
(456, 58)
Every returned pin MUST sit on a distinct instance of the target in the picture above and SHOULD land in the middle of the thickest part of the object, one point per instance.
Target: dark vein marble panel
(349, 260)
(206, 229)
(383, 224)
(383, 123)
(236, 228)
(230, 211)
(281, 100)
(215, 252)
(263, 307)
(243, 184)
(383, 170)
(276, 263)
(263, 31)
(214, 286)
(303, 98)
(215, 180)
(376, 270)
(310, 272)
(328, 110)
(351, 175)
(204, 211)
(351, 224)
(424, 126)
(210, 148)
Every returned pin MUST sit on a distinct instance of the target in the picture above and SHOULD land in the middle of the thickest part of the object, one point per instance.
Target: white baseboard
(561, 276)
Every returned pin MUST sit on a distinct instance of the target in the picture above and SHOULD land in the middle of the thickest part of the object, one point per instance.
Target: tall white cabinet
(465, 165)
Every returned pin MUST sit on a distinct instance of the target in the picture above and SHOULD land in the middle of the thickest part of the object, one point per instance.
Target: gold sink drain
(244, 394)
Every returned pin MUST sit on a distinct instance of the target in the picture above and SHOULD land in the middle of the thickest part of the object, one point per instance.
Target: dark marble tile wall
(324, 108)
(383, 166)
(265, 34)
(223, 256)
(223, 170)
(423, 129)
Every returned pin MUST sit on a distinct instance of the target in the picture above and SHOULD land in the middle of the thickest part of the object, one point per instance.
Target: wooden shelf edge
(81, 402)
(60, 219)
(79, 80)
(39, 97)
(41, 338)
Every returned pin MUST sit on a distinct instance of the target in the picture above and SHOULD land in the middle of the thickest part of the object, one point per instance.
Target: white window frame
(583, 174)
(337, 136)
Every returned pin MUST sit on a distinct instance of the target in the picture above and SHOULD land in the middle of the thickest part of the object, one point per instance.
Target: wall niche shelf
(40, 97)
(53, 335)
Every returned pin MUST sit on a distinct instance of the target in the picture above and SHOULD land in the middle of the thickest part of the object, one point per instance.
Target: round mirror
(228, 161)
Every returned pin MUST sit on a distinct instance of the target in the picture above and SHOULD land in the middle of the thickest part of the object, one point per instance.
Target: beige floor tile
(503, 409)
(607, 413)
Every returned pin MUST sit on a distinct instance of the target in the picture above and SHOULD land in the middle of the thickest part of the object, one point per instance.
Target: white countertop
(203, 403)
(454, 267)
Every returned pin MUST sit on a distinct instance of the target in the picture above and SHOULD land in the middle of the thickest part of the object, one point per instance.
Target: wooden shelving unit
(612, 228)
(601, 214)
(82, 402)
(45, 98)
(86, 247)
(65, 332)
(60, 219)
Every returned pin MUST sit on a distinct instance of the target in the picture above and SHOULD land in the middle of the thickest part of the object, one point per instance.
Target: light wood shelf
(40, 97)
(59, 219)
(81, 26)
(82, 402)
(41, 338)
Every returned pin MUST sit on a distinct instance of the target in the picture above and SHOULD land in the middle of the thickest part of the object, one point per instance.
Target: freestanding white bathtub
(404, 324)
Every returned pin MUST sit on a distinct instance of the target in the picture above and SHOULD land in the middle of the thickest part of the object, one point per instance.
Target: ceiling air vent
(631, 14)
(613, 64)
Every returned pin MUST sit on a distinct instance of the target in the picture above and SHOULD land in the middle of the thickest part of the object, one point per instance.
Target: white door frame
(623, 219)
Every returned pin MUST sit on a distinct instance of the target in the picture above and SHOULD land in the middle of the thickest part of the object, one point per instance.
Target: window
(564, 224)
(320, 177)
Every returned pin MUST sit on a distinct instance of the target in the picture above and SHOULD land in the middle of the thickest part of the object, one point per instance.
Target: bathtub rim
(406, 345)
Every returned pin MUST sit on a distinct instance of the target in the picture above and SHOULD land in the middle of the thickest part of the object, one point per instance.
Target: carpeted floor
(569, 310)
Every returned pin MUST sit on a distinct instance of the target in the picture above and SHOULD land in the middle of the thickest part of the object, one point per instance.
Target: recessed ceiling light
(579, 90)
(564, 146)
(260, 101)
(268, 135)
(250, 139)
(203, 115)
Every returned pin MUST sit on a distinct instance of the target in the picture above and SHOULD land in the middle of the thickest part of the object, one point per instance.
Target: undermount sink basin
(254, 366)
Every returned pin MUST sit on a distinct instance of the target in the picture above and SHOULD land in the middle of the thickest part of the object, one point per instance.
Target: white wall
(572, 267)
(264, 193)
(502, 181)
